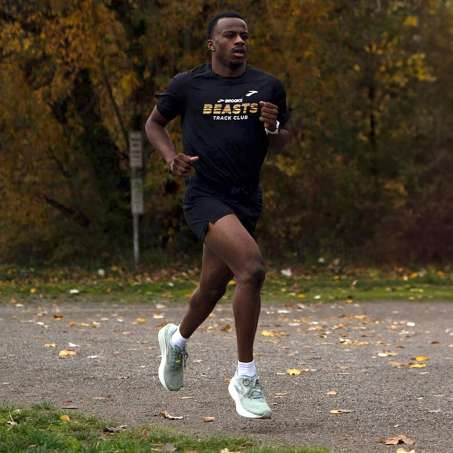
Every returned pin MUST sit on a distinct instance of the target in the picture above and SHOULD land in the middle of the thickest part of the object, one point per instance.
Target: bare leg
(231, 242)
(215, 275)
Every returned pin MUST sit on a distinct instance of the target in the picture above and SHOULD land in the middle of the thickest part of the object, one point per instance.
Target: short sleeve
(280, 101)
(171, 102)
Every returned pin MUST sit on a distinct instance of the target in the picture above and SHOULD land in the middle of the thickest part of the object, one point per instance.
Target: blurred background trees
(369, 85)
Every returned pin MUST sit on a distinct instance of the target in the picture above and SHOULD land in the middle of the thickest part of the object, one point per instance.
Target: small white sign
(135, 149)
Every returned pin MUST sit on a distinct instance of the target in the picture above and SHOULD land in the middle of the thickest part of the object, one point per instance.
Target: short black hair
(213, 21)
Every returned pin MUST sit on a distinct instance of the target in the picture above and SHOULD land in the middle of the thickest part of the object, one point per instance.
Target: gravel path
(353, 357)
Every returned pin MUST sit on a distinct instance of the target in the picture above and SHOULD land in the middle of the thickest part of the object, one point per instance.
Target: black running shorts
(205, 203)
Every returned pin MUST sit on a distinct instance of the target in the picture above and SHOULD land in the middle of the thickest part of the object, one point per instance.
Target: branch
(79, 217)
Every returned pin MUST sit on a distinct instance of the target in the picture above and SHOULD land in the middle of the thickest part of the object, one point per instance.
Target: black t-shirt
(220, 121)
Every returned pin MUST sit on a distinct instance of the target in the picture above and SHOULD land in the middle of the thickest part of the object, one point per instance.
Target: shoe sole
(239, 409)
(163, 362)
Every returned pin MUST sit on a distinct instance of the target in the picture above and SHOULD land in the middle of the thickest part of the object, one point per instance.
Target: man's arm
(269, 115)
(160, 139)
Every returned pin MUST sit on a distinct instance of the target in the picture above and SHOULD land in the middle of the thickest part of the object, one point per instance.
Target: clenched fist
(182, 164)
(268, 115)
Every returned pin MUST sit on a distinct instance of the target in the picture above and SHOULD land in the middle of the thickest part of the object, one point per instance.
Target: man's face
(230, 41)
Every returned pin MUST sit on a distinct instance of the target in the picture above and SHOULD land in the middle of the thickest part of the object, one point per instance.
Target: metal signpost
(136, 164)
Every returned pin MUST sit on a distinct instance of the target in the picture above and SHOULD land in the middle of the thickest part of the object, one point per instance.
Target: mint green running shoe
(173, 362)
(248, 395)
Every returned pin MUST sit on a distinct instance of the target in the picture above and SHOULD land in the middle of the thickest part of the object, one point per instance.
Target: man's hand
(181, 165)
(268, 115)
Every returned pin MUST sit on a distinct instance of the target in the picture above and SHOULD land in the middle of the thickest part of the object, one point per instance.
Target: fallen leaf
(65, 353)
(58, 316)
(65, 418)
(403, 450)
(273, 333)
(226, 328)
(140, 320)
(287, 272)
(280, 394)
(331, 392)
(387, 354)
(398, 364)
(166, 415)
(50, 345)
(226, 450)
(421, 358)
(399, 439)
(417, 365)
(293, 371)
(339, 411)
(114, 429)
(208, 419)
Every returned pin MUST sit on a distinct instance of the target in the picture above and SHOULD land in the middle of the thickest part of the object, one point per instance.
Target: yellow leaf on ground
(65, 353)
(140, 320)
(226, 328)
(293, 371)
(50, 345)
(421, 358)
(273, 333)
(417, 365)
(65, 418)
(339, 411)
(403, 450)
(331, 392)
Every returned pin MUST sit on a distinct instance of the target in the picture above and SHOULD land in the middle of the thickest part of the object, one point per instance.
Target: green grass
(40, 429)
(302, 286)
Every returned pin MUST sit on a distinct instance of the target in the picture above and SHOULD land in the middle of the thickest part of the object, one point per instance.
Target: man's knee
(253, 274)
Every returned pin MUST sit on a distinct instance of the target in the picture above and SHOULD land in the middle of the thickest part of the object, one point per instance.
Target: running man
(230, 114)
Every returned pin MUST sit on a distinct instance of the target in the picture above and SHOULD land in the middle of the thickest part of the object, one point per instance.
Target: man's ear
(211, 46)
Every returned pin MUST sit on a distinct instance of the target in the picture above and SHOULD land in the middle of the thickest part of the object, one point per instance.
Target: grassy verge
(43, 428)
(288, 286)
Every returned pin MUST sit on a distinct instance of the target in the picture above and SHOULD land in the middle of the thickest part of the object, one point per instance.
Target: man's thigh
(230, 241)
(215, 274)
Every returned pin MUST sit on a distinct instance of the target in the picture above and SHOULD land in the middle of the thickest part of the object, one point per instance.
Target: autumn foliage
(369, 87)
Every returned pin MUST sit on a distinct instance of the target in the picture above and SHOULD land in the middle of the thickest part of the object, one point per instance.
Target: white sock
(178, 340)
(247, 368)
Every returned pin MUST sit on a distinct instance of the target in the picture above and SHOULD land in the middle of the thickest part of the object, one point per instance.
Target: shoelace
(255, 390)
(178, 356)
